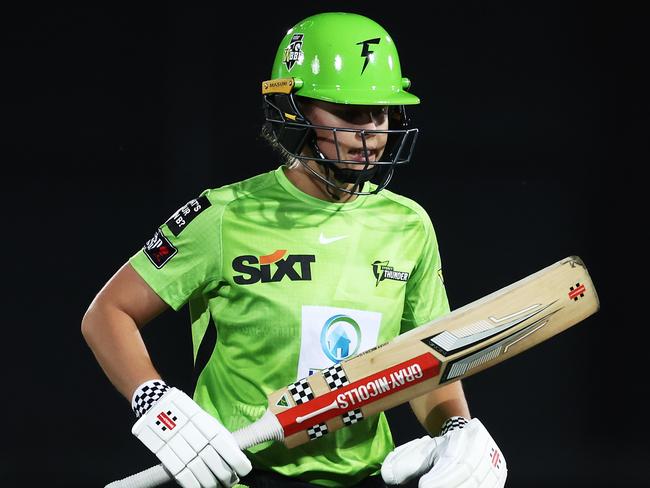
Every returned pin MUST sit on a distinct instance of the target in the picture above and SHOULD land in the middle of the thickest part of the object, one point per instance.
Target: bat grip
(154, 476)
(267, 428)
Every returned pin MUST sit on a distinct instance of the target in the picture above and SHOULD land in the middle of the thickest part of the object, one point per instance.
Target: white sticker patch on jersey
(330, 335)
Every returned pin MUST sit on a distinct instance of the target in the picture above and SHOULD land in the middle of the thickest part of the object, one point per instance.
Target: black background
(533, 126)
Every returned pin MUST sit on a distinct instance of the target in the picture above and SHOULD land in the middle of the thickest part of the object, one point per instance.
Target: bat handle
(154, 476)
(267, 428)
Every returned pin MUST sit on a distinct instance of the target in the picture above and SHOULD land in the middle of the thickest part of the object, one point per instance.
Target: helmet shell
(343, 58)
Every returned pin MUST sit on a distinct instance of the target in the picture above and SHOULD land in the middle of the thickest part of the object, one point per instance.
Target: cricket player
(293, 271)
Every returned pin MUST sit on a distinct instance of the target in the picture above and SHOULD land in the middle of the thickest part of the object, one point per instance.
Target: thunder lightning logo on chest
(382, 270)
(293, 52)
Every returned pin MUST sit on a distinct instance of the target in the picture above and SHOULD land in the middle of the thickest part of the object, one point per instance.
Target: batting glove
(193, 446)
(463, 455)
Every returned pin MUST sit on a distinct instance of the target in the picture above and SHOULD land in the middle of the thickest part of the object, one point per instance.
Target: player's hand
(464, 456)
(192, 445)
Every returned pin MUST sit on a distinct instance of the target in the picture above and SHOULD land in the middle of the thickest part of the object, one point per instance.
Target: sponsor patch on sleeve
(184, 215)
(159, 250)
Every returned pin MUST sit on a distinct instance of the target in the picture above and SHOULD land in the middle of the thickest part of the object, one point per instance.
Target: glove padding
(192, 445)
(466, 457)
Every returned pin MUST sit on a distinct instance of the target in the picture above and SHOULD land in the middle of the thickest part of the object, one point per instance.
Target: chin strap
(346, 175)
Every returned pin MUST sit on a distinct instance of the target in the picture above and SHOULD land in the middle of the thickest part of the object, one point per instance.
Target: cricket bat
(455, 346)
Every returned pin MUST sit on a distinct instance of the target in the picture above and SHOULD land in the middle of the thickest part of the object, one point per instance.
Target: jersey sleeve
(426, 297)
(184, 254)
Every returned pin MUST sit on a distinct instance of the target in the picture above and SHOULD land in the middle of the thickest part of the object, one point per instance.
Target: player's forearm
(433, 408)
(115, 340)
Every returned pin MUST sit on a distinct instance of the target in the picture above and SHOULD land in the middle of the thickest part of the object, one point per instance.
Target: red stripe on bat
(361, 392)
(578, 291)
(164, 418)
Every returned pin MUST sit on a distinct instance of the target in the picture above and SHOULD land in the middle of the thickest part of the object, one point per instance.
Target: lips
(359, 155)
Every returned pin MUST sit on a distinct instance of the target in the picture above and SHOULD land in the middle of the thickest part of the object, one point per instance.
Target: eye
(347, 112)
(379, 114)
(362, 115)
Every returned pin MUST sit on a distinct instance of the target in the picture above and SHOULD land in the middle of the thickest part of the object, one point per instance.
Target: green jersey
(295, 284)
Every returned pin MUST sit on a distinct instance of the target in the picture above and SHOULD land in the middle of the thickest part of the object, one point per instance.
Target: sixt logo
(383, 271)
(259, 269)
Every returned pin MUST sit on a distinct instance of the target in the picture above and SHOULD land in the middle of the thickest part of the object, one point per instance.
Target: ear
(305, 106)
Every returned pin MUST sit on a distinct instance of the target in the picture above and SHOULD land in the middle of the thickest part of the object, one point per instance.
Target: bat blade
(463, 342)
(455, 346)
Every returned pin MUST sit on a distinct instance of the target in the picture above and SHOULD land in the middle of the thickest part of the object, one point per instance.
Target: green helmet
(341, 58)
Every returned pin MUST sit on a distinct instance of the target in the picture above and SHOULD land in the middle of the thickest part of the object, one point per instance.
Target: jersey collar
(313, 201)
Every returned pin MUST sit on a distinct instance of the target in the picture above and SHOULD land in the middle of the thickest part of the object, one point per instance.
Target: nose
(372, 123)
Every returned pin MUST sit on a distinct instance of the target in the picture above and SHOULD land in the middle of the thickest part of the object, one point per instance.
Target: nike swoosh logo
(328, 240)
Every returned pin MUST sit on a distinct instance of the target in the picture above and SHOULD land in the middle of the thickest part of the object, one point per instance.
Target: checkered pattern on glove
(146, 395)
(453, 423)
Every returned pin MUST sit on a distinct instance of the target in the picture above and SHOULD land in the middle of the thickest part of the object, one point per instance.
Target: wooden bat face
(463, 342)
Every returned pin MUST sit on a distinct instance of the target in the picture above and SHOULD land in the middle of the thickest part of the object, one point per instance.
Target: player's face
(350, 144)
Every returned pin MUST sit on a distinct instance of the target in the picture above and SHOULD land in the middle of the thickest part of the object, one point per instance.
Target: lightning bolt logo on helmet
(366, 52)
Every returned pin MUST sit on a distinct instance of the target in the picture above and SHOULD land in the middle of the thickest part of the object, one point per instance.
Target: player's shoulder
(405, 205)
(221, 196)
(253, 187)
(212, 202)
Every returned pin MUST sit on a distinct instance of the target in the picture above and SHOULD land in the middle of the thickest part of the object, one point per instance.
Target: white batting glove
(463, 456)
(192, 445)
